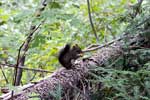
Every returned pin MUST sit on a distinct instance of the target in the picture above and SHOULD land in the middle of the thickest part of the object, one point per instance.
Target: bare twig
(99, 47)
(33, 77)
(4, 75)
(92, 45)
(20, 59)
(91, 22)
(30, 69)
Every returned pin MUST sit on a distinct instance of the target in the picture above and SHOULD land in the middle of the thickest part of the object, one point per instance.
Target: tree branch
(25, 68)
(91, 22)
(21, 58)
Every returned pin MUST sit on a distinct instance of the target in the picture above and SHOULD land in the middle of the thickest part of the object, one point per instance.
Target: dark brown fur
(67, 54)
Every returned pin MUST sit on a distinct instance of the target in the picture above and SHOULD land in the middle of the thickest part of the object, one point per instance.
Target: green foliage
(143, 17)
(126, 85)
(123, 85)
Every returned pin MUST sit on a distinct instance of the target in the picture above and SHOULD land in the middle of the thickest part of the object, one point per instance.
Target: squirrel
(67, 54)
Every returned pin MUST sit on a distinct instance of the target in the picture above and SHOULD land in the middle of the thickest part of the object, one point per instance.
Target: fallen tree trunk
(69, 79)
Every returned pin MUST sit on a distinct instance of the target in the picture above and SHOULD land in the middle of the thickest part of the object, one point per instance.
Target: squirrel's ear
(74, 46)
